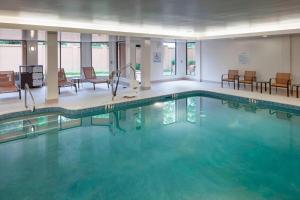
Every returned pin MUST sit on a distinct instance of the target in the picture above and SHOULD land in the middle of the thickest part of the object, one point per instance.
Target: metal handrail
(27, 89)
(118, 74)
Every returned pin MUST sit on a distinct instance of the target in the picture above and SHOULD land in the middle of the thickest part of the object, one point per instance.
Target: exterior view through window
(70, 53)
(169, 58)
(10, 49)
(100, 58)
(190, 58)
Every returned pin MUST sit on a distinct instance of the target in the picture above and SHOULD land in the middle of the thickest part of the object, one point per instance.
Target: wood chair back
(7, 78)
(282, 78)
(232, 74)
(250, 76)
(89, 72)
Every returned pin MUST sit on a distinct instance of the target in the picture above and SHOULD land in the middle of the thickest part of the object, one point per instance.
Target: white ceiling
(197, 19)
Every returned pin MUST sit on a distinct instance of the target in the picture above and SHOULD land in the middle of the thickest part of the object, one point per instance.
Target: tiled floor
(87, 97)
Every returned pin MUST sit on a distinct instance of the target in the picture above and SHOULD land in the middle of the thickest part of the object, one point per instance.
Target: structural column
(86, 49)
(112, 54)
(146, 64)
(130, 57)
(52, 77)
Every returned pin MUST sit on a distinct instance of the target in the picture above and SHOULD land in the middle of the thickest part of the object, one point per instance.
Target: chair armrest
(224, 75)
(17, 86)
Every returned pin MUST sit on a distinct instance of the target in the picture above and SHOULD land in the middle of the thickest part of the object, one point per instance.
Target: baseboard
(167, 80)
(51, 101)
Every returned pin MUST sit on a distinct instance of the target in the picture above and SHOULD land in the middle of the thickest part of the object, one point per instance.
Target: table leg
(261, 84)
(297, 92)
(265, 87)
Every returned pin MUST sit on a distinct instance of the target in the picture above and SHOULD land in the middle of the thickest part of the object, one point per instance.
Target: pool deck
(87, 97)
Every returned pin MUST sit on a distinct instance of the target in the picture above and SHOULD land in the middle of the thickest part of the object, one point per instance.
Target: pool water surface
(190, 148)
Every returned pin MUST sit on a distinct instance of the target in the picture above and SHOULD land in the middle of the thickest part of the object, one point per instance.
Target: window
(10, 49)
(138, 62)
(10, 55)
(70, 53)
(100, 58)
(190, 58)
(42, 54)
(169, 60)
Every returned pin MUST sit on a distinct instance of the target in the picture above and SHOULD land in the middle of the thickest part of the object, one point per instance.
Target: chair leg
(94, 87)
(222, 83)
(108, 85)
(270, 89)
(20, 94)
(287, 91)
(276, 89)
(75, 88)
(58, 90)
(251, 87)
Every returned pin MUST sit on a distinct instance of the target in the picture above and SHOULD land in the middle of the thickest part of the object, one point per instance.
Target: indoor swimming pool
(194, 147)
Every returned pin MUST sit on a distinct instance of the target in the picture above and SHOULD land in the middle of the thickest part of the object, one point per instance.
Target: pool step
(27, 127)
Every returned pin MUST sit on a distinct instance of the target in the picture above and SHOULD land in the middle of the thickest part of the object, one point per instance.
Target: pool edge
(135, 102)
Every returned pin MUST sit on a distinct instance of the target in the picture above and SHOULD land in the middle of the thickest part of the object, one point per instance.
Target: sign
(157, 57)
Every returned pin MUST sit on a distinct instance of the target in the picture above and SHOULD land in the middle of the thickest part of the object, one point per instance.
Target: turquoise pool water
(191, 148)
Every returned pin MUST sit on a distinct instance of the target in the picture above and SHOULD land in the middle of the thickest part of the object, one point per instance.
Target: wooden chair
(63, 81)
(282, 80)
(249, 78)
(90, 76)
(232, 76)
(8, 83)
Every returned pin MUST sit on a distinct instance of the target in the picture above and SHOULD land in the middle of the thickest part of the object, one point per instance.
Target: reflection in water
(231, 104)
(191, 148)
(135, 119)
(65, 123)
(191, 109)
(169, 112)
(280, 114)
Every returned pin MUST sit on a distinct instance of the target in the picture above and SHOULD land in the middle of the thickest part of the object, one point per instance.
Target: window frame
(186, 58)
(175, 70)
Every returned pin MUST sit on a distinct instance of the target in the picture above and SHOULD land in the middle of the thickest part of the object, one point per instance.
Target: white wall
(295, 58)
(265, 55)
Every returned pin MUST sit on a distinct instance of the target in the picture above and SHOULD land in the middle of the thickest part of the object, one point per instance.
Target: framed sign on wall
(157, 57)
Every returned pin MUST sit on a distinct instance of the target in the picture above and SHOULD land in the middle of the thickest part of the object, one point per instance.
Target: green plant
(173, 62)
(191, 62)
(137, 66)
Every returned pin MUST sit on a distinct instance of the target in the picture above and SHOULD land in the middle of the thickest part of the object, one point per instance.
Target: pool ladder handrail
(27, 89)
